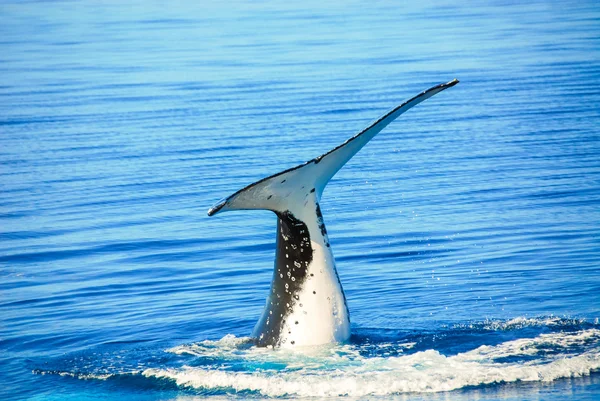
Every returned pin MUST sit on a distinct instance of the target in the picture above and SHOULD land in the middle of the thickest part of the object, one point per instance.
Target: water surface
(466, 234)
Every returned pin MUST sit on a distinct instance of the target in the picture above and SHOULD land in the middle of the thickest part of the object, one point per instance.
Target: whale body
(306, 304)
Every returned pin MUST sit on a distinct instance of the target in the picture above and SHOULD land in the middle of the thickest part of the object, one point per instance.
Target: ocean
(466, 234)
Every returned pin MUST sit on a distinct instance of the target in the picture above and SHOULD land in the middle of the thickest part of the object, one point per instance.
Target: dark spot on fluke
(321, 223)
(293, 255)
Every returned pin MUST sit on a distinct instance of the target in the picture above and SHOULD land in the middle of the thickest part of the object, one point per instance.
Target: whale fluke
(306, 304)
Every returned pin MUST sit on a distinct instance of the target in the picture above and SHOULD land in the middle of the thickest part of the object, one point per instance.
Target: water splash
(506, 352)
(343, 371)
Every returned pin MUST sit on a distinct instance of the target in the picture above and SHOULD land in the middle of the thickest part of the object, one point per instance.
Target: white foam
(522, 322)
(341, 370)
(532, 346)
(225, 345)
(81, 376)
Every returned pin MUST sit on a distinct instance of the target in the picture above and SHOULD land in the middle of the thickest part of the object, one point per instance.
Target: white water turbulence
(360, 370)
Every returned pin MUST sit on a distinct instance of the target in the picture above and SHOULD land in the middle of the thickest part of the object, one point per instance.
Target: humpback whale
(306, 304)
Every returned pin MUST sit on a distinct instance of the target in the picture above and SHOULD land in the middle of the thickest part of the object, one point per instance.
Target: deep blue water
(467, 234)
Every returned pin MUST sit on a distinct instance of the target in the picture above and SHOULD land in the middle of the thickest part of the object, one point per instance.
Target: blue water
(467, 234)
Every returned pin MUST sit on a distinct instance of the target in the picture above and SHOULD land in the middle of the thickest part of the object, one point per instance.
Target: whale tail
(287, 190)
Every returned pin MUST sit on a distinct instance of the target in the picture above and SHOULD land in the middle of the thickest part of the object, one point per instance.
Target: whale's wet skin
(306, 304)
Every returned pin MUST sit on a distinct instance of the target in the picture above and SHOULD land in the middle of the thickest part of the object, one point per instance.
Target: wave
(508, 352)
(525, 322)
(337, 371)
